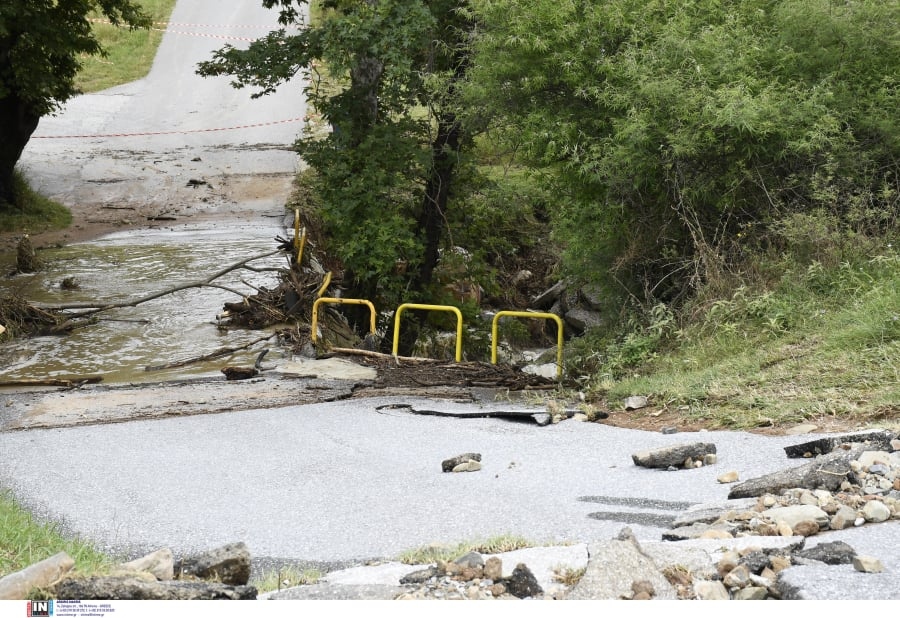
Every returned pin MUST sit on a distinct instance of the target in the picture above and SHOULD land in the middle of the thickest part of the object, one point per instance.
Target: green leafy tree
(385, 171)
(673, 131)
(40, 45)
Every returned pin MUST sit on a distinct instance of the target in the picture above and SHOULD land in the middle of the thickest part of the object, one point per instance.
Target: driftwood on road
(80, 312)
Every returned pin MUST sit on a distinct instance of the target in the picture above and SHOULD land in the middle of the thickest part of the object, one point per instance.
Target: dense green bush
(677, 133)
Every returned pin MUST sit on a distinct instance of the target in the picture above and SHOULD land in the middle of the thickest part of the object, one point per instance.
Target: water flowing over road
(150, 153)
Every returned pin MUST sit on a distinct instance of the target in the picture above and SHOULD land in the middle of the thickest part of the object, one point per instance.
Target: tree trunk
(444, 152)
(17, 123)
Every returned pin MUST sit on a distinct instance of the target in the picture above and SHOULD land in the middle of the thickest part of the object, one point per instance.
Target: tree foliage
(40, 45)
(677, 131)
(385, 168)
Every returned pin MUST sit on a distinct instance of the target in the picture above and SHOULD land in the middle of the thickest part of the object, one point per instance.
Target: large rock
(825, 472)
(146, 588)
(582, 319)
(39, 575)
(672, 455)
(612, 569)
(229, 564)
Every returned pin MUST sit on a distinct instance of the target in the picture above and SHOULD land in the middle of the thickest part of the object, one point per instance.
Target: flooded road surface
(129, 265)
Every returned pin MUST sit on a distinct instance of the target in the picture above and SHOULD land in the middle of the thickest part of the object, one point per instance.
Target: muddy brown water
(129, 265)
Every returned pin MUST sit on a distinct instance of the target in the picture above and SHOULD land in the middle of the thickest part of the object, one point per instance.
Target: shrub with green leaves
(676, 132)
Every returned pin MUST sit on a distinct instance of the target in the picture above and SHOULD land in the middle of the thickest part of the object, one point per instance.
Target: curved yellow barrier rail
(341, 301)
(459, 324)
(529, 314)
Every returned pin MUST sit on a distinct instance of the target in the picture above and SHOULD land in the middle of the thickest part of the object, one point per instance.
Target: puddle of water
(129, 265)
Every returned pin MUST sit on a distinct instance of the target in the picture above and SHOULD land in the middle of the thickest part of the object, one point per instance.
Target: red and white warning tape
(226, 37)
(220, 26)
(181, 132)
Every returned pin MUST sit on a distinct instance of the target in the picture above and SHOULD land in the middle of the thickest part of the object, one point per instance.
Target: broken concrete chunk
(140, 589)
(449, 464)
(878, 440)
(229, 564)
(673, 455)
(836, 552)
(825, 472)
(39, 575)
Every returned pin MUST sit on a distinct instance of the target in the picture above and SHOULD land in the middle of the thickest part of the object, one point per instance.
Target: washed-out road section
(135, 148)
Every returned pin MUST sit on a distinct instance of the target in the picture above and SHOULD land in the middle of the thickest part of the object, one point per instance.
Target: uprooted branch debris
(55, 319)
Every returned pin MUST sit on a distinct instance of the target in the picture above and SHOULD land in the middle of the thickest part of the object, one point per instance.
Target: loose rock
(448, 464)
(672, 455)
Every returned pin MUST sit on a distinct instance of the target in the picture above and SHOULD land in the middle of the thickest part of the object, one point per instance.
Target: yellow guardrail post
(341, 301)
(529, 314)
(459, 324)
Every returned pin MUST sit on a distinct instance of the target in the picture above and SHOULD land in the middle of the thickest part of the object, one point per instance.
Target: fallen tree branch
(65, 382)
(89, 310)
(206, 357)
(353, 351)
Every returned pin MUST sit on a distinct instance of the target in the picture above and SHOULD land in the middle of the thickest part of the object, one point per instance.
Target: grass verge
(821, 345)
(285, 577)
(129, 53)
(32, 213)
(23, 541)
(429, 554)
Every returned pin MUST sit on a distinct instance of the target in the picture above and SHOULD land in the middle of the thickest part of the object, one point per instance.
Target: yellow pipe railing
(529, 314)
(341, 301)
(459, 324)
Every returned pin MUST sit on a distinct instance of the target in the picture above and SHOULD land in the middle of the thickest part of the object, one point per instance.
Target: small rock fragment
(728, 477)
(867, 564)
(636, 402)
(876, 511)
(468, 466)
(448, 464)
(710, 591)
(493, 568)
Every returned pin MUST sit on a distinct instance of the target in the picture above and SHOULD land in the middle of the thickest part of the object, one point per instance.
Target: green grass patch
(129, 53)
(285, 577)
(429, 554)
(823, 344)
(23, 542)
(32, 213)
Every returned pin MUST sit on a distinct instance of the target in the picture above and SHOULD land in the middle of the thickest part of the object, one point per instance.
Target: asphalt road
(140, 143)
(344, 481)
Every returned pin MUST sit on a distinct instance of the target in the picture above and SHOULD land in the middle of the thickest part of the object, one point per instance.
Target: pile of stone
(474, 578)
(220, 574)
(852, 480)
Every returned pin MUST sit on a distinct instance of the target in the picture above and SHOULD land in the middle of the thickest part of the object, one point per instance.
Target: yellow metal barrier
(325, 283)
(299, 238)
(529, 314)
(340, 301)
(459, 324)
